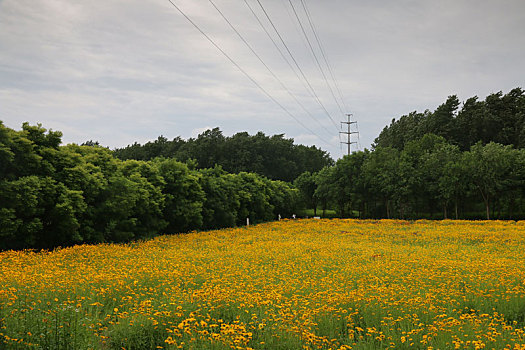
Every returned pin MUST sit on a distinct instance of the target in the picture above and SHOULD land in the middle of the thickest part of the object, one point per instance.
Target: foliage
(52, 195)
(425, 163)
(499, 118)
(221, 205)
(306, 185)
(274, 157)
(466, 159)
(429, 175)
(491, 168)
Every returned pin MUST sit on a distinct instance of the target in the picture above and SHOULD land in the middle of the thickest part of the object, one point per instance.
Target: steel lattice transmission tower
(348, 133)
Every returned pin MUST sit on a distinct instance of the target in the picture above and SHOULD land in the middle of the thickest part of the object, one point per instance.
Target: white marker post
(247, 221)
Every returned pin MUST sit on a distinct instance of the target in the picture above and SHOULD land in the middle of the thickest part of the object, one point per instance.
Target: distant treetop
(499, 118)
(275, 157)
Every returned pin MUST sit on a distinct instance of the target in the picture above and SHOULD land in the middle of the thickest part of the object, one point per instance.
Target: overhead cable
(319, 43)
(266, 66)
(296, 64)
(315, 56)
(244, 72)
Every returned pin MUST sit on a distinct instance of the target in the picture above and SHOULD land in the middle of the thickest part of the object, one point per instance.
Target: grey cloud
(123, 71)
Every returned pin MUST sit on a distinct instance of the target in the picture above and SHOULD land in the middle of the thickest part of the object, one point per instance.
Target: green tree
(183, 195)
(274, 157)
(324, 188)
(306, 185)
(381, 171)
(207, 149)
(343, 175)
(490, 167)
(254, 198)
(284, 199)
(418, 180)
(221, 201)
(442, 121)
(470, 123)
(444, 175)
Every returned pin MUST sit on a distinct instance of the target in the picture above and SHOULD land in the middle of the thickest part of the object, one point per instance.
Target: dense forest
(429, 176)
(53, 195)
(459, 161)
(466, 163)
(274, 157)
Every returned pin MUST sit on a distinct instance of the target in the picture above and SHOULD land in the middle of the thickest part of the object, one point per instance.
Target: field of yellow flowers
(312, 284)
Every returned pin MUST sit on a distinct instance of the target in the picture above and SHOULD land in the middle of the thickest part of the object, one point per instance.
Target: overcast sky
(120, 71)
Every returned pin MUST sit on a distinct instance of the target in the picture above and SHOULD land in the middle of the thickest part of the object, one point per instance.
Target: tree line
(53, 195)
(447, 163)
(274, 157)
(466, 162)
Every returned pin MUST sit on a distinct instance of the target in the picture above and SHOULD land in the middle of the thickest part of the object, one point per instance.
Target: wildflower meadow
(292, 284)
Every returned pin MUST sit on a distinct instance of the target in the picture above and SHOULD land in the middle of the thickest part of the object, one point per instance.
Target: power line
(358, 138)
(245, 73)
(305, 7)
(296, 64)
(294, 21)
(265, 65)
(274, 43)
(279, 50)
(315, 56)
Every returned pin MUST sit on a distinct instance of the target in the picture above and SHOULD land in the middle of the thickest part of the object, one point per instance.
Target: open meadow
(327, 284)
